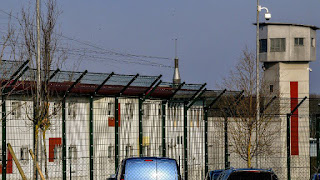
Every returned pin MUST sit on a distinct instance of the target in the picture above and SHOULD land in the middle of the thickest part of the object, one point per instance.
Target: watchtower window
(298, 41)
(263, 45)
(313, 42)
(278, 45)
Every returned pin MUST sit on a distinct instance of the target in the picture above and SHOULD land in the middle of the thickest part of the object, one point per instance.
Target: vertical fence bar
(91, 137)
(64, 161)
(226, 144)
(116, 132)
(288, 147)
(140, 128)
(206, 140)
(4, 134)
(34, 135)
(185, 144)
(317, 140)
(164, 128)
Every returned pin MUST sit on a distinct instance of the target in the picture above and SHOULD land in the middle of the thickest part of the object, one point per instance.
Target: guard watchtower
(286, 51)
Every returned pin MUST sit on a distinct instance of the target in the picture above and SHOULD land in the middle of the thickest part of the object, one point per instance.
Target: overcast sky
(211, 34)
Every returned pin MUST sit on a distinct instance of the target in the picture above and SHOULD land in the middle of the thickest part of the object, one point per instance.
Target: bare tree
(250, 137)
(51, 57)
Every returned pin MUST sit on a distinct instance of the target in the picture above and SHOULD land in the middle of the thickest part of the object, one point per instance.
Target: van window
(144, 169)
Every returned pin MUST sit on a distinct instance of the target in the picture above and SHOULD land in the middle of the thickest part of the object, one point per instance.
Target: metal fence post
(64, 162)
(4, 134)
(91, 137)
(288, 147)
(226, 144)
(206, 140)
(163, 105)
(317, 140)
(185, 144)
(140, 128)
(116, 132)
(34, 135)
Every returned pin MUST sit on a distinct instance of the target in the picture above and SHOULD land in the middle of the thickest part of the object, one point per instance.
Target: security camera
(309, 69)
(267, 16)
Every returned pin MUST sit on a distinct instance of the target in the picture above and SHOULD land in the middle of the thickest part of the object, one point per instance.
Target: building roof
(100, 84)
(287, 24)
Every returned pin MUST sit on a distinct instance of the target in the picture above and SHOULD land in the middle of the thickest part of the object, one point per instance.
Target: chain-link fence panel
(196, 143)
(174, 133)
(104, 141)
(77, 138)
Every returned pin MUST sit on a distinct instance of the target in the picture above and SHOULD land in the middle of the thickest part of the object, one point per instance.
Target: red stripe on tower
(294, 119)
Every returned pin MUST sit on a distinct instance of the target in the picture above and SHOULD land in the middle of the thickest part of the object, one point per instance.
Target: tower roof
(287, 24)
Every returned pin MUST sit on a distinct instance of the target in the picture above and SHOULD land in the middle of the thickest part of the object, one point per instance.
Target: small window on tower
(298, 41)
(271, 88)
(313, 42)
(263, 45)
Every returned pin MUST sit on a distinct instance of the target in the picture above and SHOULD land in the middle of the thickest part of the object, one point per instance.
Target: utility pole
(257, 79)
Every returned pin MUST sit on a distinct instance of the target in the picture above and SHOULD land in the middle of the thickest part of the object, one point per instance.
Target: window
(110, 109)
(72, 107)
(24, 155)
(129, 110)
(57, 153)
(146, 150)
(73, 153)
(110, 151)
(55, 108)
(298, 41)
(16, 109)
(146, 110)
(278, 45)
(263, 45)
(271, 88)
(129, 151)
(313, 42)
(160, 110)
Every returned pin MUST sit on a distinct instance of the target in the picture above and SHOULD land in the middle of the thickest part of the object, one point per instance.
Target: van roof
(150, 158)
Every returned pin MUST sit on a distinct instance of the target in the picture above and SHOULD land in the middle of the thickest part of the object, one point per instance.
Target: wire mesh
(20, 135)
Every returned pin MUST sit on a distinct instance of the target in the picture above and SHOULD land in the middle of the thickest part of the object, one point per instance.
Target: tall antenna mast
(175, 48)
(176, 74)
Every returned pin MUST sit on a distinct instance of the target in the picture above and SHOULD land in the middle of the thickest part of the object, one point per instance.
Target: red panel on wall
(9, 164)
(53, 142)
(294, 119)
(112, 121)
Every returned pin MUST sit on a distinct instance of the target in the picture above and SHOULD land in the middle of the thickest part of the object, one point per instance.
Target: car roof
(251, 169)
(228, 172)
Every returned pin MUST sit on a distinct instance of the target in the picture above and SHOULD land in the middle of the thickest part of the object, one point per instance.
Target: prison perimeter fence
(94, 121)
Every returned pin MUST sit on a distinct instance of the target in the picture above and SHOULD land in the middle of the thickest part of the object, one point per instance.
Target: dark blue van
(247, 174)
(148, 168)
